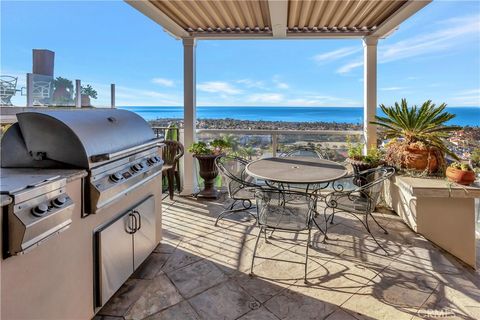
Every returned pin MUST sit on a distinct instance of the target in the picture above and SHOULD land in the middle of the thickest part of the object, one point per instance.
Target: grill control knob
(40, 210)
(136, 167)
(59, 202)
(115, 177)
(153, 160)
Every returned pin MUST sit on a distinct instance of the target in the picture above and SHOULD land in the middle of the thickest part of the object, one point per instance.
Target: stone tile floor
(200, 271)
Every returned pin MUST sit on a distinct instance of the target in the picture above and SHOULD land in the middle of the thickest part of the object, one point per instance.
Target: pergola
(192, 20)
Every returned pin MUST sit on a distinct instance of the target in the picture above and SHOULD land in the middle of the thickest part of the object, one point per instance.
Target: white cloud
(451, 33)
(349, 67)
(268, 98)
(326, 57)
(163, 82)
(279, 83)
(139, 97)
(392, 88)
(467, 98)
(218, 87)
(282, 85)
(249, 83)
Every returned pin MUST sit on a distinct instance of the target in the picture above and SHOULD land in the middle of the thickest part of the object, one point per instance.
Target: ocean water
(465, 116)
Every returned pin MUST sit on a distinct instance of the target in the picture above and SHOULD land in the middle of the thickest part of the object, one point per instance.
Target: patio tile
(259, 288)
(124, 298)
(180, 258)
(196, 278)
(225, 301)
(335, 281)
(462, 299)
(393, 294)
(293, 305)
(151, 266)
(158, 295)
(180, 311)
(340, 314)
(259, 314)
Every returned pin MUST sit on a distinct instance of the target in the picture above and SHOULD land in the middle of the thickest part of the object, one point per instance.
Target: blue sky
(434, 55)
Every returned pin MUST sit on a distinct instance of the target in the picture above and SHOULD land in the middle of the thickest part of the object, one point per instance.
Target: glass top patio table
(296, 170)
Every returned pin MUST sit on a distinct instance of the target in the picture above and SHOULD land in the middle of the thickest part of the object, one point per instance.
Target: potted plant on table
(88, 92)
(460, 173)
(206, 155)
(417, 135)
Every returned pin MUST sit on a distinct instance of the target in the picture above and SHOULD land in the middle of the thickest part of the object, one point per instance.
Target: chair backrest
(232, 169)
(282, 209)
(305, 151)
(172, 151)
(374, 179)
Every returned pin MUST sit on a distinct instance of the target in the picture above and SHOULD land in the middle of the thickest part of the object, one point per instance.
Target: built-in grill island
(82, 209)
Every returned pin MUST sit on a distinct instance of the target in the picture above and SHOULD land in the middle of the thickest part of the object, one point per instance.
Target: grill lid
(75, 137)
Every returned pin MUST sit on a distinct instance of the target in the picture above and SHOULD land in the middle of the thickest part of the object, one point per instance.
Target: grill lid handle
(124, 152)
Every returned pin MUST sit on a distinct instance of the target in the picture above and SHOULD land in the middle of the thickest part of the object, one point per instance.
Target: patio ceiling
(251, 19)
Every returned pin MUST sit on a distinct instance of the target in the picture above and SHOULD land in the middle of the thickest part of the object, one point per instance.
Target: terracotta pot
(208, 172)
(419, 159)
(459, 176)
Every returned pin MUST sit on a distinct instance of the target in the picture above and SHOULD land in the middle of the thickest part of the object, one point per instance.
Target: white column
(112, 95)
(190, 115)
(78, 94)
(29, 90)
(370, 90)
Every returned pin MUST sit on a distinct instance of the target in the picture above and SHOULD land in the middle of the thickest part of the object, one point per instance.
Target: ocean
(465, 116)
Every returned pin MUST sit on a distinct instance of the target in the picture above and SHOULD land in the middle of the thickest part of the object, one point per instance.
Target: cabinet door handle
(139, 220)
(132, 223)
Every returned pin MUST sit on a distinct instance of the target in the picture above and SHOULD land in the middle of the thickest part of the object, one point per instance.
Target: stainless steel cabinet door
(144, 238)
(116, 256)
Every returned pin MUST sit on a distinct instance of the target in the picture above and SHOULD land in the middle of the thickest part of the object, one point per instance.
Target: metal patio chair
(171, 153)
(283, 210)
(240, 186)
(356, 198)
(305, 151)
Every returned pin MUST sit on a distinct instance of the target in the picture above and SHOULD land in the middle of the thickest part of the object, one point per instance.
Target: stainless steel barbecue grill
(117, 148)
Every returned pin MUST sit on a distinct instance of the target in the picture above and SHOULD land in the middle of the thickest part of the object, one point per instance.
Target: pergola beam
(157, 15)
(278, 17)
(392, 22)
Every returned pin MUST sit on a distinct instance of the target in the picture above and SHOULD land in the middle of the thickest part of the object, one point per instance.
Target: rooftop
(201, 272)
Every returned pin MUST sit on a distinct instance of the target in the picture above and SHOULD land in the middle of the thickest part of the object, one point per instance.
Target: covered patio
(201, 271)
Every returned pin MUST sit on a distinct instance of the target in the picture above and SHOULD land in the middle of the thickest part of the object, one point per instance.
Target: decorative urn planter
(460, 176)
(420, 159)
(208, 172)
(359, 166)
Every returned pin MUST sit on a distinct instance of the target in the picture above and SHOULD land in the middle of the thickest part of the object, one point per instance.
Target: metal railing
(275, 140)
(278, 138)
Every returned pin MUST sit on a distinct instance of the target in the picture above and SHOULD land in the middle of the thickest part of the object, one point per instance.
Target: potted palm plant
(206, 155)
(417, 135)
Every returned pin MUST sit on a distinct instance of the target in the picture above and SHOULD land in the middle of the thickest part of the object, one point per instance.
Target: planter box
(441, 212)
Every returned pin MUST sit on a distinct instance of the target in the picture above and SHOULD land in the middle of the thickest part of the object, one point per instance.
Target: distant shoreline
(343, 115)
